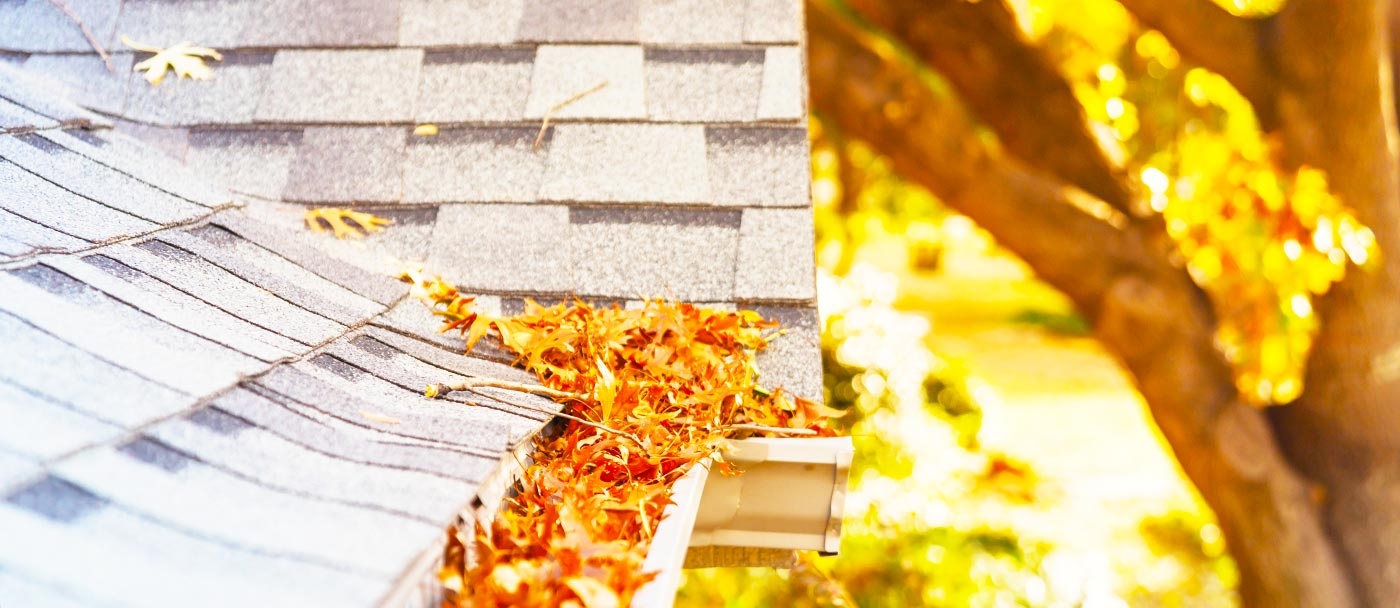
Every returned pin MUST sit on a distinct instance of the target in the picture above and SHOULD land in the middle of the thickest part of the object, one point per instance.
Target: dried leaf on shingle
(185, 60)
(344, 222)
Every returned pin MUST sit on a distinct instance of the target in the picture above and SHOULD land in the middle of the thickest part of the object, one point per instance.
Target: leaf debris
(184, 59)
(339, 221)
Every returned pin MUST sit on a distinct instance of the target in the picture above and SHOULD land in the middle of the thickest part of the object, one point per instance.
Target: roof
(193, 386)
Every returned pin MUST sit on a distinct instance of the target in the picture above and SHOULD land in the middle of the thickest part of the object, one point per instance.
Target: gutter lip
(676, 531)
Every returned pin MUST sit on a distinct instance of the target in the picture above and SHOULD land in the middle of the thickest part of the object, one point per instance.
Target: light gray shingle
(40, 26)
(692, 21)
(784, 93)
(759, 166)
(682, 254)
(563, 72)
(474, 165)
(522, 248)
(25, 237)
(132, 157)
(776, 256)
(361, 86)
(162, 23)
(774, 21)
(793, 361)
(32, 197)
(579, 21)
(459, 22)
(230, 96)
(254, 162)
(42, 429)
(348, 164)
(343, 23)
(703, 86)
(474, 85)
(87, 79)
(627, 163)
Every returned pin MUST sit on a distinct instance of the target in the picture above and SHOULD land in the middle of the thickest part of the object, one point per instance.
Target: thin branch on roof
(87, 33)
(583, 421)
(544, 126)
(434, 390)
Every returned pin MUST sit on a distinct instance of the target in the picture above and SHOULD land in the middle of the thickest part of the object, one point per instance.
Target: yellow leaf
(377, 417)
(592, 592)
(184, 59)
(427, 130)
(336, 219)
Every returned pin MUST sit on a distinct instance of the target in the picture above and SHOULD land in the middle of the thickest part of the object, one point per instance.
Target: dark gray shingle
(521, 248)
(87, 79)
(344, 23)
(459, 22)
(776, 259)
(348, 164)
(687, 255)
(254, 162)
(579, 21)
(793, 361)
(759, 166)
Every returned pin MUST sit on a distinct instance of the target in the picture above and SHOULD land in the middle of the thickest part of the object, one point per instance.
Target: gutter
(790, 497)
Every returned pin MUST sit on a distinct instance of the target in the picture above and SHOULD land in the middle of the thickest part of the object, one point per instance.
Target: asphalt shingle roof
(193, 385)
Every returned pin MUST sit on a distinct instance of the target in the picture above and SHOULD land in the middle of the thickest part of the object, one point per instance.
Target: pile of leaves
(649, 393)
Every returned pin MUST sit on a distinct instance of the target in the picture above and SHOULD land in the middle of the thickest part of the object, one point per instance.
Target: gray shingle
(87, 318)
(344, 23)
(794, 360)
(131, 157)
(773, 21)
(75, 173)
(168, 141)
(87, 79)
(784, 92)
(162, 23)
(274, 273)
(474, 85)
(759, 166)
(34, 198)
(452, 358)
(411, 317)
(231, 96)
(278, 463)
(46, 365)
(21, 592)
(627, 163)
(579, 21)
(279, 420)
(563, 72)
(218, 287)
(216, 505)
(176, 307)
(708, 85)
(367, 86)
(776, 256)
(692, 21)
(42, 94)
(126, 559)
(458, 22)
(368, 266)
(688, 255)
(503, 247)
(43, 429)
(56, 499)
(474, 165)
(40, 26)
(33, 238)
(348, 164)
(254, 162)
(15, 117)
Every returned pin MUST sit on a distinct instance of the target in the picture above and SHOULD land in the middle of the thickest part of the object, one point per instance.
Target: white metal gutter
(791, 495)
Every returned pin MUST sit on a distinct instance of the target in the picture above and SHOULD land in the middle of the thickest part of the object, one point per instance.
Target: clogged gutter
(646, 394)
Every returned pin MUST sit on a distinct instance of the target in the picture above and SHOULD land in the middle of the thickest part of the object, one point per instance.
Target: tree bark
(1145, 310)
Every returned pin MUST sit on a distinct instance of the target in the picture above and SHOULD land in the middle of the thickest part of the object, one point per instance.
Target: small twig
(533, 389)
(584, 421)
(87, 33)
(544, 126)
(759, 428)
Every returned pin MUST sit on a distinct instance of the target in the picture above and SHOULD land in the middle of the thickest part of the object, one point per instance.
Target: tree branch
(1007, 84)
(1211, 37)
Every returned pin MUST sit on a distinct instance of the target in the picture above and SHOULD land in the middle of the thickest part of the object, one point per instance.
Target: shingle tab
(707, 85)
(773, 21)
(564, 72)
(503, 247)
(687, 258)
(776, 256)
(364, 86)
(231, 96)
(348, 164)
(46, 365)
(474, 164)
(216, 505)
(475, 85)
(58, 165)
(40, 26)
(24, 237)
(458, 22)
(162, 23)
(88, 80)
(131, 157)
(692, 21)
(579, 21)
(627, 163)
(759, 166)
(794, 360)
(32, 197)
(15, 117)
(87, 318)
(254, 162)
(43, 95)
(344, 23)
(218, 287)
(784, 94)
(43, 429)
